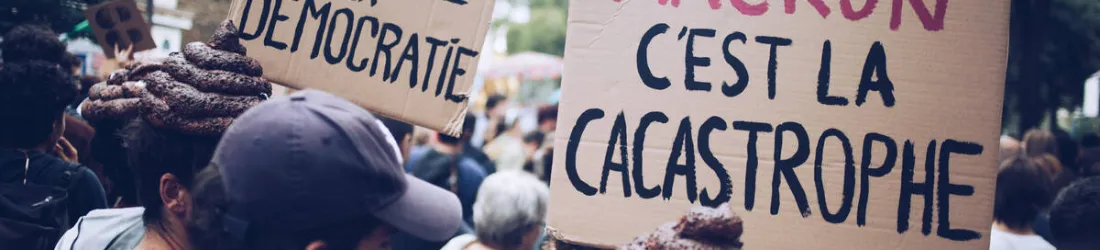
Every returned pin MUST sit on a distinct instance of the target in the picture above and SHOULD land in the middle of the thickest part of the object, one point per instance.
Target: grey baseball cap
(313, 159)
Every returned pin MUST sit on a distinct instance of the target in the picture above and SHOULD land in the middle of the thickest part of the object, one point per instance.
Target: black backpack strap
(67, 174)
(72, 175)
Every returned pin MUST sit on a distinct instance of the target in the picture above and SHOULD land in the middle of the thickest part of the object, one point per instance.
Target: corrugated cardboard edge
(454, 126)
(557, 236)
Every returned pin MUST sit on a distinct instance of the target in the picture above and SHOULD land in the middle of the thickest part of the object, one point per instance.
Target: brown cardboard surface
(947, 85)
(119, 23)
(341, 56)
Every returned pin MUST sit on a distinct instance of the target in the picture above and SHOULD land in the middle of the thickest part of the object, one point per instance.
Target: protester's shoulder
(115, 214)
(472, 166)
(1001, 240)
(460, 242)
(102, 226)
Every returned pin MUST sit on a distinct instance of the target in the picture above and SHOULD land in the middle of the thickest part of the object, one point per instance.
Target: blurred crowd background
(1050, 116)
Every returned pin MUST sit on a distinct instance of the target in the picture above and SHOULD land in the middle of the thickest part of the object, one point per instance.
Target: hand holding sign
(119, 24)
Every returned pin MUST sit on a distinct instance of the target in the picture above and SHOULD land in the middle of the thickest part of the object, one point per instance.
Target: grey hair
(509, 205)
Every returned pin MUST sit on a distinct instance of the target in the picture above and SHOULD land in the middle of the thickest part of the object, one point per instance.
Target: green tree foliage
(59, 15)
(1055, 47)
(545, 32)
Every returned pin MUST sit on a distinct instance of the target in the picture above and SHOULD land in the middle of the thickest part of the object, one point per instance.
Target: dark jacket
(84, 194)
(480, 157)
(80, 135)
(435, 167)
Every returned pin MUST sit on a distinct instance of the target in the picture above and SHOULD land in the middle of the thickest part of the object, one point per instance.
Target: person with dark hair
(173, 122)
(532, 142)
(1009, 149)
(443, 164)
(1067, 153)
(313, 171)
(1023, 192)
(71, 62)
(29, 42)
(401, 133)
(548, 119)
(1090, 141)
(34, 95)
(1089, 163)
(487, 125)
(1075, 216)
(1038, 142)
(474, 152)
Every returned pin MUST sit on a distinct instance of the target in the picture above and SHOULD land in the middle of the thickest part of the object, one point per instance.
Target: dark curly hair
(32, 42)
(70, 61)
(1023, 191)
(35, 94)
(153, 152)
(1075, 216)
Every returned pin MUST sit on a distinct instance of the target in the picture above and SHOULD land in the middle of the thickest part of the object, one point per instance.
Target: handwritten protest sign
(412, 60)
(119, 24)
(825, 124)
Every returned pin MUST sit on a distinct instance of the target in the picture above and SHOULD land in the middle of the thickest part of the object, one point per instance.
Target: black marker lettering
(309, 8)
(571, 151)
(244, 20)
(443, 71)
(910, 188)
(355, 42)
(457, 71)
(738, 66)
(639, 145)
(714, 123)
(691, 61)
(866, 172)
(384, 47)
(275, 19)
(329, 56)
(823, 78)
(946, 189)
(773, 64)
(682, 143)
(643, 61)
(849, 177)
(411, 54)
(751, 161)
(876, 66)
(436, 43)
(618, 137)
(785, 167)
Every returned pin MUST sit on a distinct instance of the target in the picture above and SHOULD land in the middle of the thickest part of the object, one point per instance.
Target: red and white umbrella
(526, 66)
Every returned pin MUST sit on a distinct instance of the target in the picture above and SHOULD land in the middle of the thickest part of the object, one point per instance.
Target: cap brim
(425, 211)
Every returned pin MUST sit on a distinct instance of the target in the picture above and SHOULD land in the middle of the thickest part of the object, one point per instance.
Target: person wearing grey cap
(313, 171)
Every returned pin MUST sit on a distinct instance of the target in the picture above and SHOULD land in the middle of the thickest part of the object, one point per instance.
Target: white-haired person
(509, 213)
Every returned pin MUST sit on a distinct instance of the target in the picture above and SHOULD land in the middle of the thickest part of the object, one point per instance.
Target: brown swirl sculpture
(198, 91)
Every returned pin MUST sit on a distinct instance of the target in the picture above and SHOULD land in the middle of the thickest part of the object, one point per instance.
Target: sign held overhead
(119, 24)
(824, 124)
(412, 60)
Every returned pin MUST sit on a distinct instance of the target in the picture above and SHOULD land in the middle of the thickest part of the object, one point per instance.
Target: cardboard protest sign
(825, 124)
(119, 24)
(412, 60)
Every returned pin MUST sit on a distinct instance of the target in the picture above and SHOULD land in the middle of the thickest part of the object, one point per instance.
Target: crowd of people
(192, 152)
(1048, 193)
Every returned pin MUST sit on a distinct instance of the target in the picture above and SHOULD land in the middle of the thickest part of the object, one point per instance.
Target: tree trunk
(1034, 15)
